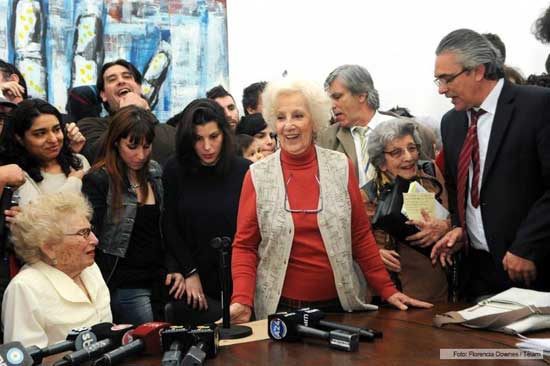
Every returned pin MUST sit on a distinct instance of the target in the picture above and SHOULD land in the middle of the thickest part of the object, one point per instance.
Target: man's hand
(519, 269)
(240, 313)
(449, 244)
(132, 98)
(76, 138)
(400, 301)
(431, 230)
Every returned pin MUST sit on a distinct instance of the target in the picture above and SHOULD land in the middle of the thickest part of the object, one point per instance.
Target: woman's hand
(195, 295)
(178, 287)
(77, 173)
(390, 258)
(239, 313)
(76, 138)
(431, 230)
(400, 301)
(10, 214)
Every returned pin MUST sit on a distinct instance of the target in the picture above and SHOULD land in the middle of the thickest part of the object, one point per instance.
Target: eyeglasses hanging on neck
(304, 211)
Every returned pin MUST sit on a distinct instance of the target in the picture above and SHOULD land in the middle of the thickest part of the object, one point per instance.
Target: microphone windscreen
(15, 354)
(150, 334)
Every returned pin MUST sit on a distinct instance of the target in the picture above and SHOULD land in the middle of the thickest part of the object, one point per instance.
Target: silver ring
(200, 297)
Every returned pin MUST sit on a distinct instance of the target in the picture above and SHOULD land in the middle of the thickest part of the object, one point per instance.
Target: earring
(54, 261)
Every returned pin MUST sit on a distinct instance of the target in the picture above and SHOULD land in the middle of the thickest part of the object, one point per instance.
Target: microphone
(76, 339)
(9, 198)
(314, 318)
(205, 340)
(144, 339)
(228, 331)
(286, 327)
(198, 343)
(175, 341)
(109, 337)
(14, 354)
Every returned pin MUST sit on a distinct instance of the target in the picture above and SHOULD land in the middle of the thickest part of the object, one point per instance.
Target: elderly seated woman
(393, 148)
(60, 287)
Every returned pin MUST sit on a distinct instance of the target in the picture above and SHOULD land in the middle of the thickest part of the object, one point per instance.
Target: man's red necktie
(469, 153)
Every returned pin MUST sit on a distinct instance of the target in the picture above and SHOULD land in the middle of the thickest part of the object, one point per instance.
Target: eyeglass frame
(85, 233)
(309, 211)
(402, 151)
(444, 80)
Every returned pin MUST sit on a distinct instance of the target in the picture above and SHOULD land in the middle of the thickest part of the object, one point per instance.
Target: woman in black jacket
(202, 190)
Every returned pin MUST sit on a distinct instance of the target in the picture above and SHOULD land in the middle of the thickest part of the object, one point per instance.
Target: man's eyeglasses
(398, 153)
(308, 211)
(85, 233)
(447, 79)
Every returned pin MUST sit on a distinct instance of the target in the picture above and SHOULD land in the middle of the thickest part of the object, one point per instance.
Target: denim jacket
(116, 234)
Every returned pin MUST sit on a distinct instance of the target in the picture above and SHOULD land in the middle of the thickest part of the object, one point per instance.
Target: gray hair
(318, 102)
(43, 220)
(472, 50)
(385, 133)
(358, 80)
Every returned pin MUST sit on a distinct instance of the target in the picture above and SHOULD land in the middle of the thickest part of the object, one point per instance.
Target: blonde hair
(317, 100)
(43, 220)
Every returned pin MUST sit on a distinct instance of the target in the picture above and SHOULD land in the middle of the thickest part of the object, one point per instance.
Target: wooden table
(409, 339)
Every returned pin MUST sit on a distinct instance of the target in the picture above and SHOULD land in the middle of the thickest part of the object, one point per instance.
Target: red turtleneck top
(309, 276)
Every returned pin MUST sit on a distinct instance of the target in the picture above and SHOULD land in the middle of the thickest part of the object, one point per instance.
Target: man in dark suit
(497, 168)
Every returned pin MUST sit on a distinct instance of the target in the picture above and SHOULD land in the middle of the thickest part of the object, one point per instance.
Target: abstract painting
(180, 46)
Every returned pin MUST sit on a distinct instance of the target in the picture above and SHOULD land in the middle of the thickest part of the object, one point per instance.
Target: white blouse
(51, 183)
(42, 304)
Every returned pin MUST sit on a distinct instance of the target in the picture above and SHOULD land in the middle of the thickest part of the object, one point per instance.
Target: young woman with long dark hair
(202, 189)
(125, 190)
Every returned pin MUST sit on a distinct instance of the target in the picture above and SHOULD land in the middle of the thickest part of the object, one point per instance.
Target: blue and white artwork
(180, 46)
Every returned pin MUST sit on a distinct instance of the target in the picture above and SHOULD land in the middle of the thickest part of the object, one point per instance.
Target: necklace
(134, 186)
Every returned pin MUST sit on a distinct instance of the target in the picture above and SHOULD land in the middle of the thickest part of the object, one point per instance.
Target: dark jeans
(179, 313)
(132, 306)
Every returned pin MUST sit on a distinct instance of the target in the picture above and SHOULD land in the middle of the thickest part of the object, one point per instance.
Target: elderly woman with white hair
(60, 287)
(394, 149)
(301, 222)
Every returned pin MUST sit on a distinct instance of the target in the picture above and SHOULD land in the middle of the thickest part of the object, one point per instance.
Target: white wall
(394, 39)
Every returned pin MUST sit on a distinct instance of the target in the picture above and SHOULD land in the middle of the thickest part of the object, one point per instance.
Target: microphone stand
(228, 331)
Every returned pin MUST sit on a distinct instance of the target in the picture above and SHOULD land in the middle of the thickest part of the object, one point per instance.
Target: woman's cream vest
(277, 231)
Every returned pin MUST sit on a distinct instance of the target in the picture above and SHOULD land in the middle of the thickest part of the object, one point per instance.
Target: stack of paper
(419, 198)
(535, 344)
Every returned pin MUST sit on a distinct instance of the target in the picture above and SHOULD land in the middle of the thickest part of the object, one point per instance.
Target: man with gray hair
(497, 169)
(355, 106)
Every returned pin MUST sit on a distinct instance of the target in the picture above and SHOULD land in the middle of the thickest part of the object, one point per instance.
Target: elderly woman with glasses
(393, 148)
(60, 287)
(301, 222)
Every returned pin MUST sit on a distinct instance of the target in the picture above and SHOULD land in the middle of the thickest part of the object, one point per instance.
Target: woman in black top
(125, 190)
(202, 189)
